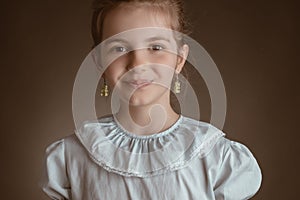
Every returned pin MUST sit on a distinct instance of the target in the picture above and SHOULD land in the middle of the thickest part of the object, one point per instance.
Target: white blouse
(190, 160)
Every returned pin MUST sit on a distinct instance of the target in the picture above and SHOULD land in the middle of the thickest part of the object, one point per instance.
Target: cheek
(167, 59)
(114, 72)
(168, 64)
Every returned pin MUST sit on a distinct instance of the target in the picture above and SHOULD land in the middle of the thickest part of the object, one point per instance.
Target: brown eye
(156, 47)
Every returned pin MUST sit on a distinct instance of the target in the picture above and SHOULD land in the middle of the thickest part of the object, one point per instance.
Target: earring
(104, 90)
(177, 85)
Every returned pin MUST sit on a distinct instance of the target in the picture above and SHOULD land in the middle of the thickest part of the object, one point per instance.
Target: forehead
(124, 18)
(141, 36)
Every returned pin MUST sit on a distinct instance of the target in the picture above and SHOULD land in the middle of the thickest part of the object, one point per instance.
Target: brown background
(254, 44)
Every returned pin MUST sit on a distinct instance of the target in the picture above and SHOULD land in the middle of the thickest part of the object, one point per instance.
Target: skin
(141, 77)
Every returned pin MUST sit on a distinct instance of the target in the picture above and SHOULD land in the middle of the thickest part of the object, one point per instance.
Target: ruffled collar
(124, 153)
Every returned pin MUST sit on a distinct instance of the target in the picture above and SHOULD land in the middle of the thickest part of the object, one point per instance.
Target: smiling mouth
(140, 83)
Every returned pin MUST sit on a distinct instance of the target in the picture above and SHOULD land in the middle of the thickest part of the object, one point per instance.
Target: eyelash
(122, 49)
(156, 47)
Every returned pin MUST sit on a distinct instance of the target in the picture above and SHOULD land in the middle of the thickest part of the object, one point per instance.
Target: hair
(174, 10)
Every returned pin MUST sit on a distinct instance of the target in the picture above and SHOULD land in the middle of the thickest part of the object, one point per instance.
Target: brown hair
(173, 8)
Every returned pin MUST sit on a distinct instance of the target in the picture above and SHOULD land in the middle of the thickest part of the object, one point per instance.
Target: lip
(140, 83)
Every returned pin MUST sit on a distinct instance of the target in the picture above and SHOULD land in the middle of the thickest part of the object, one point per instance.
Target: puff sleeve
(239, 176)
(54, 181)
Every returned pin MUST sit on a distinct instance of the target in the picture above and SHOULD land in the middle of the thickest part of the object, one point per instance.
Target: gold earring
(104, 90)
(177, 85)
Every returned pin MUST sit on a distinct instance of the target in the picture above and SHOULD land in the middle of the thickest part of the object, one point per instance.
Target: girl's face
(143, 65)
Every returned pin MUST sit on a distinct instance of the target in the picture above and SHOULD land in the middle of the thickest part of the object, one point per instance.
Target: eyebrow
(117, 40)
(157, 38)
(120, 40)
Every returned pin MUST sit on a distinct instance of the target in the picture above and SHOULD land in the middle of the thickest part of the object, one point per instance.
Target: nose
(137, 59)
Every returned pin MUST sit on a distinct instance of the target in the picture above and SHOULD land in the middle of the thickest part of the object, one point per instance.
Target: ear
(181, 58)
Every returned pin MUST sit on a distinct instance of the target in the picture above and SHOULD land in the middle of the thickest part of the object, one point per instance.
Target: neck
(146, 119)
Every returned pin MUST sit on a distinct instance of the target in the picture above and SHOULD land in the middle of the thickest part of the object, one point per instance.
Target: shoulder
(214, 140)
(199, 127)
(235, 153)
(234, 150)
(61, 142)
(64, 145)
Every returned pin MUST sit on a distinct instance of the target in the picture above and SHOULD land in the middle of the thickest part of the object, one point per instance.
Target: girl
(145, 150)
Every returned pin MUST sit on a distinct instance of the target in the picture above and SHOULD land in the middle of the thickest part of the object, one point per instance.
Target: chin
(145, 97)
(141, 100)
